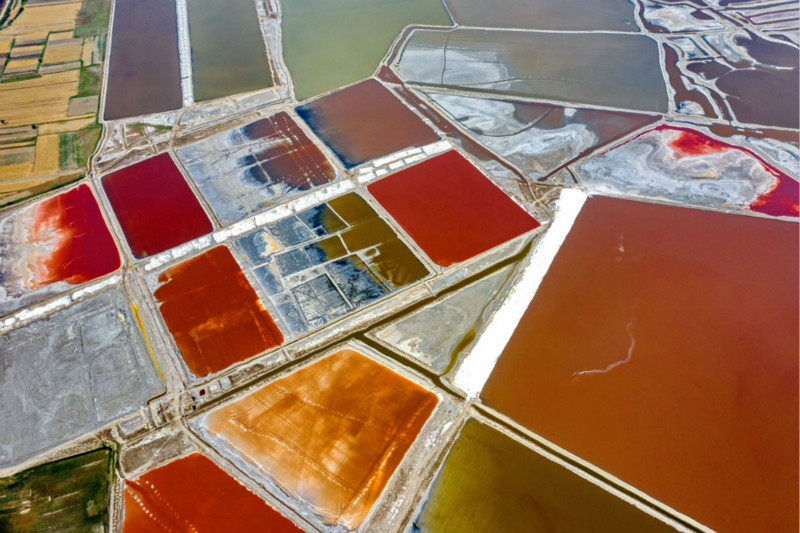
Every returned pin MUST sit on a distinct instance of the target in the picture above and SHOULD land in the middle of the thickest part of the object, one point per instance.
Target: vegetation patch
(87, 143)
(67, 495)
(67, 150)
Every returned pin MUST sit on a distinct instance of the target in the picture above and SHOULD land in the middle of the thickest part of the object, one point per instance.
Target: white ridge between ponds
(479, 363)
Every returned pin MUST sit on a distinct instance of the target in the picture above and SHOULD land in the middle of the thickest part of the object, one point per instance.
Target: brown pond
(365, 121)
(662, 347)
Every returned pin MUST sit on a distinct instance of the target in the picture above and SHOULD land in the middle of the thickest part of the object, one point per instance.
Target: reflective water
(617, 15)
(143, 71)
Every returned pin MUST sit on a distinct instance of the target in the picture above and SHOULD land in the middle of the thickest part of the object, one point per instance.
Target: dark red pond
(155, 207)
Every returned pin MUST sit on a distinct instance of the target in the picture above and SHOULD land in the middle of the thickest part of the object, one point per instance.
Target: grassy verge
(89, 81)
(93, 18)
(87, 142)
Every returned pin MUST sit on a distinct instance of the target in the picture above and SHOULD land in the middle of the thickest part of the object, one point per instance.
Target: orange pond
(451, 210)
(330, 434)
(194, 495)
(662, 346)
(213, 312)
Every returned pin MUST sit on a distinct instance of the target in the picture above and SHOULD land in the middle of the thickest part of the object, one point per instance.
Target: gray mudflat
(649, 166)
(70, 373)
(617, 70)
(439, 333)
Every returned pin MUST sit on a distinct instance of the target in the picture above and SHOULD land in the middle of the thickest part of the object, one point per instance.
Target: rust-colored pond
(451, 210)
(365, 121)
(330, 434)
(213, 313)
(662, 347)
(155, 207)
(194, 495)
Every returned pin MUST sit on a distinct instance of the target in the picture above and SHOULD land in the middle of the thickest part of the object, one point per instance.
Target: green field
(70, 495)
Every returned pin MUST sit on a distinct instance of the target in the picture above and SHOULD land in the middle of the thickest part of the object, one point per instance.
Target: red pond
(691, 142)
(80, 245)
(193, 495)
(781, 200)
(451, 210)
(155, 207)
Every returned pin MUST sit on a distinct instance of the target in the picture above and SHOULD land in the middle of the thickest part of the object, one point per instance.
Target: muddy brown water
(662, 347)
(144, 74)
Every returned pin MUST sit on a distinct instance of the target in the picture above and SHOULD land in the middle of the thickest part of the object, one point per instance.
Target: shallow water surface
(247, 169)
(365, 121)
(608, 69)
(143, 75)
(616, 15)
(330, 44)
(328, 261)
(228, 51)
(330, 435)
(51, 245)
(662, 347)
(490, 482)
